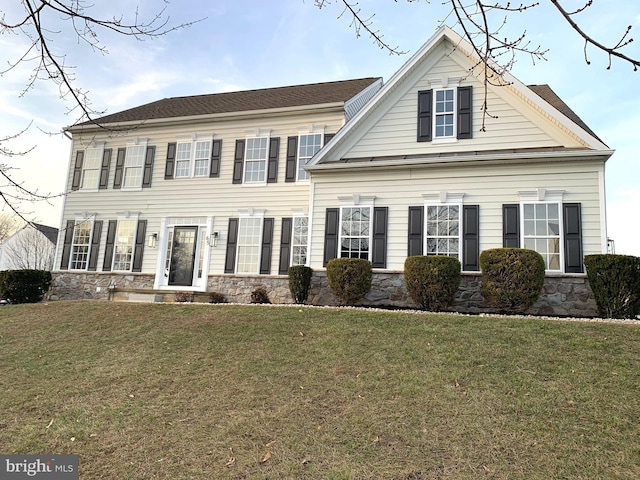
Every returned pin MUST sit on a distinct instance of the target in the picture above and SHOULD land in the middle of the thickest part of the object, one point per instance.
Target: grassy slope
(198, 391)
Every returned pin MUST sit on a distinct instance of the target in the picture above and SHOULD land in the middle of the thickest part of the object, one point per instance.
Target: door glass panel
(183, 256)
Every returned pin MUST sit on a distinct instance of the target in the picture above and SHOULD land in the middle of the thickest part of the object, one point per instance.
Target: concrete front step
(158, 296)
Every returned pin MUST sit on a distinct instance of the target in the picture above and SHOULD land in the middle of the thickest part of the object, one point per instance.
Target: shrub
(259, 295)
(615, 282)
(24, 286)
(300, 282)
(349, 278)
(432, 281)
(217, 297)
(512, 278)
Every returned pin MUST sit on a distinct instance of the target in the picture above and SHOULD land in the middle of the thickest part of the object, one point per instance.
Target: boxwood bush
(615, 282)
(300, 282)
(24, 286)
(349, 278)
(432, 281)
(512, 278)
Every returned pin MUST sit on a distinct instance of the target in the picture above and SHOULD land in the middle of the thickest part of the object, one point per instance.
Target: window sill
(441, 140)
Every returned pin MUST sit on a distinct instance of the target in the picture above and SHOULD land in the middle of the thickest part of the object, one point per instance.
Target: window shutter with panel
(470, 238)
(238, 161)
(66, 247)
(171, 160)
(77, 170)
(95, 246)
(511, 225)
(138, 249)
(379, 240)
(465, 108)
(232, 243)
(331, 226)
(272, 162)
(216, 154)
(104, 169)
(266, 247)
(327, 138)
(117, 179)
(415, 241)
(285, 246)
(148, 166)
(109, 246)
(573, 261)
(425, 102)
(291, 166)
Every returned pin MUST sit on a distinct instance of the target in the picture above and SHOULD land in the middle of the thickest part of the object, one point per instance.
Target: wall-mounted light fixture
(152, 240)
(213, 239)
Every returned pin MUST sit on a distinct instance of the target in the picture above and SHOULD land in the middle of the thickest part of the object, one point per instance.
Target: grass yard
(255, 392)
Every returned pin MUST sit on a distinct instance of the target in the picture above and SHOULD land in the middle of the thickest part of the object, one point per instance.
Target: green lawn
(255, 392)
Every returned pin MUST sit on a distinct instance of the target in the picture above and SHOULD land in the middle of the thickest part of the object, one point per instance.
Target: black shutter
(415, 241)
(272, 163)
(232, 243)
(216, 154)
(117, 179)
(511, 226)
(138, 250)
(95, 246)
(470, 238)
(238, 161)
(331, 225)
(379, 240)
(171, 160)
(327, 137)
(77, 170)
(66, 248)
(572, 238)
(465, 107)
(425, 102)
(104, 169)
(265, 250)
(108, 248)
(291, 168)
(148, 166)
(285, 246)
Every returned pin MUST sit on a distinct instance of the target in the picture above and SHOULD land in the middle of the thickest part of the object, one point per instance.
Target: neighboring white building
(31, 247)
(224, 192)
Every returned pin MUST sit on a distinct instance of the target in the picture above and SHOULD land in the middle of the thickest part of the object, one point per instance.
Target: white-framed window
(134, 166)
(81, 245)
(193, 158)
(124, 244)
(249, 235)
(308, 146)
(355, 229)
(443, 230)
(541, 231)
(300, 241)
(444, 103)
(91, 168)
(255, 160)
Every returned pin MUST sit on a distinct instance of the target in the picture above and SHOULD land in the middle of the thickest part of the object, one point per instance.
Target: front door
(183, 256)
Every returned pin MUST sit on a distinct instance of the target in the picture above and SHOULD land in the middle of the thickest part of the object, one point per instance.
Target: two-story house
(223, 192)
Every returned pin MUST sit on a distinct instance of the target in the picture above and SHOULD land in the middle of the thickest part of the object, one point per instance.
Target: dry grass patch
(223, 391)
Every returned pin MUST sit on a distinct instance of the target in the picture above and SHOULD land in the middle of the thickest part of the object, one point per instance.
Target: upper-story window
(444, 113)
(308, 146)
(91, 168)
(255, 168)
(192, 159)
(134, 166)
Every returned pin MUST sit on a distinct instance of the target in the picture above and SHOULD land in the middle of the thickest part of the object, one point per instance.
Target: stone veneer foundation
(562, 295)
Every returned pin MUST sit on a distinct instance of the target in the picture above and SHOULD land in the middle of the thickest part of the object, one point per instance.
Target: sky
(250, 44)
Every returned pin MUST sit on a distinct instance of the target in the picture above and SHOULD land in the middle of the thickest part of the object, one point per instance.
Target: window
(308, 146)
(124, 243)
(91, 169)
(199, 152)
(355, 225)
(249, 233)
(444, 113)
(443, 230)
(256, 160)
(134, 166)
(541, 231)
(300, 240)
(80, 245)
(183, 160)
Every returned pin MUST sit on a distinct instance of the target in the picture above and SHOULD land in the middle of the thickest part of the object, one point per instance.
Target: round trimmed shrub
(349, 278)
(432, 281)
(512, 278)
(300, 282)
(615, 282)
(24, 286)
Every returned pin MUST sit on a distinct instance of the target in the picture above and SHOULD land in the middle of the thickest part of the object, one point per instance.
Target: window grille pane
(123, 249)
